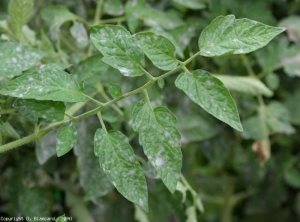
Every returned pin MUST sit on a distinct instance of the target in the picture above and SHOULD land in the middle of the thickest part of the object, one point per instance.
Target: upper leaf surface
(15, 58)
(227, 35)
(210, 93)
(118, 49)
(66, 138)
(45, 85)
(34, 109)
(118, 161)
(160, 139)
(158, 49)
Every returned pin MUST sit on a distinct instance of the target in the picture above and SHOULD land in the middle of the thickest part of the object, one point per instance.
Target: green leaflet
(66, 138)
(45, 85)
(158, 49)
(192, 4)
(118, 49)
(160, 139)
(245, 84)
(115, 90)
(34, 109)
(7, 130)
(19, 13)
(210, 93)
(79, 33)
(227, 35)
(16, 58)
(118, 161)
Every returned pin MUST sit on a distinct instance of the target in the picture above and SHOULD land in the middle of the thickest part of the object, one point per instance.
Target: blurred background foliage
(247, 176)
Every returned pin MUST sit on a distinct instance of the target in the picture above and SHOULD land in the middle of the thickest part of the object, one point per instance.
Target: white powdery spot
(114, 183)
(125, 71)
(159, 162)
(141, 202)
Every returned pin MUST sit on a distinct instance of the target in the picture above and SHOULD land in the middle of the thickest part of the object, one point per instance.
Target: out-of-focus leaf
(227, 35)
(7, 130)
(272, 81)
(113, 7)
(245, 84)
(79, 34)
(115, 90)
(45, 147)
(292, 177)
(192, 4)
(254, 128)
(293, 106)
(92, 178)
(290, 59)
(191, 214)
(140, 215)
(19, 13)
(292, 23)
(211, 95)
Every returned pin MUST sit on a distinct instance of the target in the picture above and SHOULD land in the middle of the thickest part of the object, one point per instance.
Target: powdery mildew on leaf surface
(118, 161)
(211, 95)
(158, 49)
(35, 109)
(118, 49)
(45, 85)
(160, 139)
(227, 35)
(16, 58)
(66, 138)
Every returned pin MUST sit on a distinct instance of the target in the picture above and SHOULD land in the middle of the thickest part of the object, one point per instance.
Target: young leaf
(118, 49)
(20, 12)
(66, 138)
(161, 83)
(227, 35)
(210, 93)
(115, 90)
(45, 85)
(118, 161)
(245, 84)
(158, 49)
(160, 139)
(34, 109)
(114, 7)
(16, 58)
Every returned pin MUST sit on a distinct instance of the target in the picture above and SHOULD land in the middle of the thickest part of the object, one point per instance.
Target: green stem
(93, 100)
(248, 66)
(8, 111)
(47, 129)
(113, 20)
(101, 121)
(147, 97)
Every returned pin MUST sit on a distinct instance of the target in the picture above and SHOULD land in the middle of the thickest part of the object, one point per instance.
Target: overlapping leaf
(66, 138)
(118, 49)
(15, 58)
(118, 161)
(158, 49)
(245, 84)
(210, 93)
(160, 139)
(34, 109)
(45, 85)
(227, 35)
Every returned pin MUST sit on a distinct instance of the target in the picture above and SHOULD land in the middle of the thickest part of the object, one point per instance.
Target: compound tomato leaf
(35, 109)
(66, 138)
(118, 48)
(118, 161)
(16, 58)
(45, 85)
(158, 49)
(211, 94)
(227, 35)
(160, 139)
